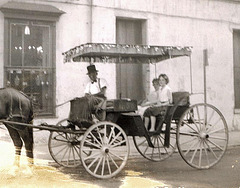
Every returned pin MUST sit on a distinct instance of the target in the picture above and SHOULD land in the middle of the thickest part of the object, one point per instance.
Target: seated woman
(159, 107)
(152, 97)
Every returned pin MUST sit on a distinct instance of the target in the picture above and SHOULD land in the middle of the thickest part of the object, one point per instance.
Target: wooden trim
(32, 15)
(31, 10)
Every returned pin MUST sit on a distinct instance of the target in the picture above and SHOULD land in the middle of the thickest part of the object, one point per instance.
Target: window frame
(24, 15)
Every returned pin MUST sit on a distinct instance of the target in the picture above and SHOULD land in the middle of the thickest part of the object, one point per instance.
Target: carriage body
(198, 131)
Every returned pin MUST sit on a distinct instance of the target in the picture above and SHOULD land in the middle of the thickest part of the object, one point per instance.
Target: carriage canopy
(123, 53)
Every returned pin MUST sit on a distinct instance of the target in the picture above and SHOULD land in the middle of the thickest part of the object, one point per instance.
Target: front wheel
(202, 136)
(108, 146)
(65, 147)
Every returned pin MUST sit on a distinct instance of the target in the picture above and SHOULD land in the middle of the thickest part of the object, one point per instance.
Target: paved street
(173, 172)
(139, 172)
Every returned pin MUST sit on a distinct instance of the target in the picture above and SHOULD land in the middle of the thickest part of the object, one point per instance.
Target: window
(236, 67)
(30, 67)
(29, 56)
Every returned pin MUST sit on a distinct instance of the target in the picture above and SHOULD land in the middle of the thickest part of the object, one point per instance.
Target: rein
(63, 103)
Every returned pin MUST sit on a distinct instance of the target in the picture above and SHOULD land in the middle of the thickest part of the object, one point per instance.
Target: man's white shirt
(93, 87)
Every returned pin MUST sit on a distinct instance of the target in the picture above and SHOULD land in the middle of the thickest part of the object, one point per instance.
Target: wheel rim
(65, 147)
(109, 149)
(202, 136)
(159, 152)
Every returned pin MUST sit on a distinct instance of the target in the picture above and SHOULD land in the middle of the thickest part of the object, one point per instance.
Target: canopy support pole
(190, 61)
(155, 66)
(205, 63)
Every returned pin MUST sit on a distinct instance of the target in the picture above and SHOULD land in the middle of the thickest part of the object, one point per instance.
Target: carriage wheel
(160, 152)
(109, 149)
(65, 147)
(202, 136)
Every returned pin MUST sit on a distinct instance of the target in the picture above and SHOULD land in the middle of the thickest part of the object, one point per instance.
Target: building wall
(205, 24)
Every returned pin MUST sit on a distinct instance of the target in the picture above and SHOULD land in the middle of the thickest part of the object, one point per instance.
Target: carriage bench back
(180, 103)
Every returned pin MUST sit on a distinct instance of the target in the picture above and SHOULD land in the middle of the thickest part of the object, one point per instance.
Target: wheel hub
(105, 150)
(203, 135)
(73, 141)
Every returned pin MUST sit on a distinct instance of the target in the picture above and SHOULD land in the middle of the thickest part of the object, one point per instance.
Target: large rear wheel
(202, 136)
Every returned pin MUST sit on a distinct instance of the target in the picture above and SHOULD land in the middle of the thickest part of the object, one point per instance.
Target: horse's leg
(17, 143)
(27, 136)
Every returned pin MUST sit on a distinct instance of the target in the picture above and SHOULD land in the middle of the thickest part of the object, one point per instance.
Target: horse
(16, 106)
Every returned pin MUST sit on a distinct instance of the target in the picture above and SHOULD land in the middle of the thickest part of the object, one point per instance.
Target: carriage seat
(181, 98)
(180, 103)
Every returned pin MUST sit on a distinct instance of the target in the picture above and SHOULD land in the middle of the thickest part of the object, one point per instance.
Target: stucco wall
(205, 24)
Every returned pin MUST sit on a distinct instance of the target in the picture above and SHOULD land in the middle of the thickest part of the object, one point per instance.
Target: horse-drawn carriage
(199, 132)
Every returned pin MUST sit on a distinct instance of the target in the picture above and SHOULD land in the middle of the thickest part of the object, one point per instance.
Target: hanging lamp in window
(27, 30)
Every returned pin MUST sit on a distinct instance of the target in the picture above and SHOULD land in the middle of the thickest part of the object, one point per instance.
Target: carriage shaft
(43, 127)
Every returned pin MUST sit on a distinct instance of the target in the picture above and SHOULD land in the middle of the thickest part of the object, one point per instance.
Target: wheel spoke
(64, 154)
(200, 154)
(217, 138)
(188, 134)
(115, 138)
(61, 135)
(109, 168)
(65, 141)
(194, 153)
(113, 161)
(91, 156)
(105, 140)
(206, 153)
(110, 135)
(100, 144)
(99, 135)
(118, 144)
(163, 144)
(211, 116)
(93, 144)
(89, 166)
(211, 150)
(153, 147)
(116, 155)
(213, 125)
(141, 143)
(103, 165)
(213, 143)
(159, 152)
(100, 160)
(74, 159)
(191, 126)
(191, 147)
(189, 141)
(216, 131)
(77, 151)
(61, 150)
(59, 145)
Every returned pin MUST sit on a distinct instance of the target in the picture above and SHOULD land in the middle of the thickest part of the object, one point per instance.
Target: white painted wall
(205, 24)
